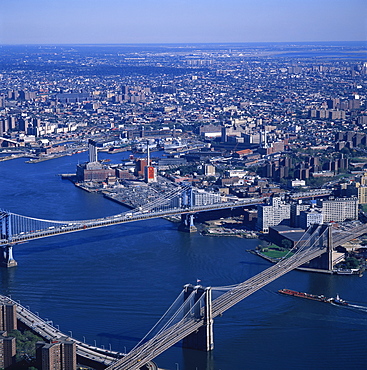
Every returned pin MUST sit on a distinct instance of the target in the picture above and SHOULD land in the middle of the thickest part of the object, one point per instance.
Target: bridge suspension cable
(309, 249)
(163, 339)
(159, 324)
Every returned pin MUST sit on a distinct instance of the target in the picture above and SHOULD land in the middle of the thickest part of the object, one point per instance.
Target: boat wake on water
(357, 307)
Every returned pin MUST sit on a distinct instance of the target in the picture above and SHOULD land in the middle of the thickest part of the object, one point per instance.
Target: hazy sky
(180, 21)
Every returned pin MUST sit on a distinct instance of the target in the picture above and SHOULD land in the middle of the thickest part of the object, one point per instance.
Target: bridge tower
(6, 257)
(202, 339)
(187, 200)
(187, 219)
(325, 261)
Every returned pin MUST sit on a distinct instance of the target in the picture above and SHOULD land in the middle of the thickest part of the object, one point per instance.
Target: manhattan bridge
(15, 228)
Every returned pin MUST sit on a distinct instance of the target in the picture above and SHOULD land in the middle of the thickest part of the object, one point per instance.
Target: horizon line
(181, 43)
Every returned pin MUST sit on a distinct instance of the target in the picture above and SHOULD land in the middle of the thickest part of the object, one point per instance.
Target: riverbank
(336, 271)
(228, 227)
(229, 232)
(47, 158)
(15, 156)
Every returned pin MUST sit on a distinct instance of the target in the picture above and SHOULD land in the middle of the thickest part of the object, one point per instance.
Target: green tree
(287, 244)
(352, 262)
(26, 343)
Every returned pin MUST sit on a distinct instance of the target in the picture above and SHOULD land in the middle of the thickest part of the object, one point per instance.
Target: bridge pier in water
(187, 223)
(7, 259)
(202, 339)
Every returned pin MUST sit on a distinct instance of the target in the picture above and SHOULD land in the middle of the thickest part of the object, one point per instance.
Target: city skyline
(116, 22)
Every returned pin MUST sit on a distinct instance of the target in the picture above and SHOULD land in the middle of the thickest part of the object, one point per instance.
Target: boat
(320, 298)
(338, 300)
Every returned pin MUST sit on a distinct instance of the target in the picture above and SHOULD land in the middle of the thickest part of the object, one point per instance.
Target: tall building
(358, 189)
(202, 197)
(48, 356)
(140, 165)
(94, 171)
(339, 209)
(2, 126)
(68, 355)
(59, 355)
(272, 214)
(150, 174)
(295, 212)
(7, 350)
(8, 317)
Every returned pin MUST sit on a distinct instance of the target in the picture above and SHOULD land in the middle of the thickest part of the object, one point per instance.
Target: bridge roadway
(50, 333)
(137, 215)
(167, 338)
(342, 237)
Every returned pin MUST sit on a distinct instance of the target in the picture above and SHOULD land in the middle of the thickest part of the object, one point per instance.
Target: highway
(342, 237)
(49, 333)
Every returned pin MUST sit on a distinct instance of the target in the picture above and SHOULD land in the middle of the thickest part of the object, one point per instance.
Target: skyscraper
(8, 317)
(7, 350)
(60, 355)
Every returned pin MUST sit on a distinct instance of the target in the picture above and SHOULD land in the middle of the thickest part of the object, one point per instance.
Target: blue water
(111, 285)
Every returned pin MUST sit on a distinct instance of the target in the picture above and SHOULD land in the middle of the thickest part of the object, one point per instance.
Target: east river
(109, 286)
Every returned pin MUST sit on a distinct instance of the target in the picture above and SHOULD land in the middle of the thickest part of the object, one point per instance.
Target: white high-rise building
(340, 209)
(272, 214)
(202, 197)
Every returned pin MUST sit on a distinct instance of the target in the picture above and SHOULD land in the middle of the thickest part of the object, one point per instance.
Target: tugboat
(338, 300)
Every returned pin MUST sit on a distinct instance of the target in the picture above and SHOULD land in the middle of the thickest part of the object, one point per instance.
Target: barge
(320, 298)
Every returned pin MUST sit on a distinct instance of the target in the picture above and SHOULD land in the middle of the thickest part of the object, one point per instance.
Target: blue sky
(180, 21)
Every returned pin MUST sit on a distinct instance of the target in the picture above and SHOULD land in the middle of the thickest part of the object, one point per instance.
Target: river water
(109, 286)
